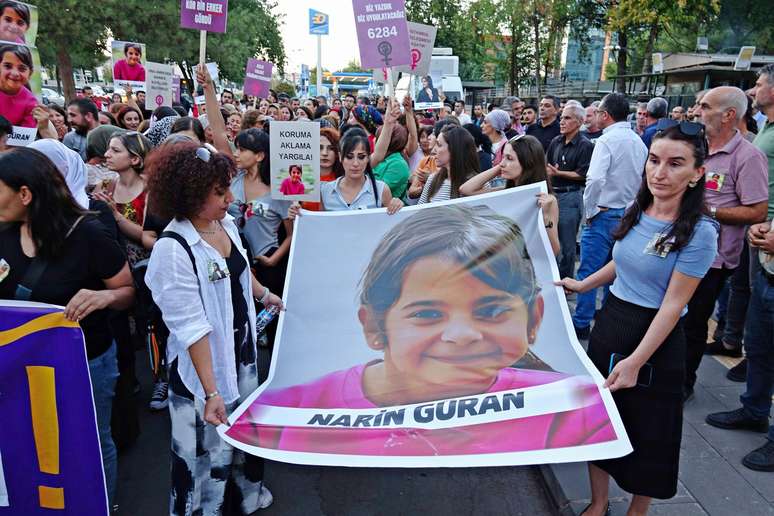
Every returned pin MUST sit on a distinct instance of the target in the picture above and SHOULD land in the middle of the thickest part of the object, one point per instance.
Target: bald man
(736, 194)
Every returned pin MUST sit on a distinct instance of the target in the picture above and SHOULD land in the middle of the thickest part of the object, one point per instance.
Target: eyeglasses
(203, 153)
(517, 138)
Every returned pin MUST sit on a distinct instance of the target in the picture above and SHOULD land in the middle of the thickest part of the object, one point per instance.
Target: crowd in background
(122, 216)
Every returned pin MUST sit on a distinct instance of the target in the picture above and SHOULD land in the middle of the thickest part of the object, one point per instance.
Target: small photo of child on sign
(293, 185)
(295, 161)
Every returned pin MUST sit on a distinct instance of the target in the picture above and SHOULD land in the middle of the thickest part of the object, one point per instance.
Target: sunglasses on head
(203, 153)
(686, 128)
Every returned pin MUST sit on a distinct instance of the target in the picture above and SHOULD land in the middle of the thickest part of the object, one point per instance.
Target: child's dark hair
(135, 46)
(256, 141)
(484, 243)
(20, 51)
(19, 8)
(691, 206)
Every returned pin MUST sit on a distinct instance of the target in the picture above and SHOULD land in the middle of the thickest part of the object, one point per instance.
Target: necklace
(219, 228)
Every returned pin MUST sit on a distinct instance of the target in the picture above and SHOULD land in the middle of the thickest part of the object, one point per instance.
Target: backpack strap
(180, 240)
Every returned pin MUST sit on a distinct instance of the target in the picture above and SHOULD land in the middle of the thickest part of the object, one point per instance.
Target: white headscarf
(69, 163)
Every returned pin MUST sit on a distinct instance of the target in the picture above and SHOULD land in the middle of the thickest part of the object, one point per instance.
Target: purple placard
(176, 89)
(44, 341)
(209, 15)
(258, 78)
(382, 33)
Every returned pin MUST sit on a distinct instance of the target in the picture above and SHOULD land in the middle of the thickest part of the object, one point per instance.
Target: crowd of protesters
(124, 215)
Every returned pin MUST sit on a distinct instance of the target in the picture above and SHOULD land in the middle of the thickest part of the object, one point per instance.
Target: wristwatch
(713, 212)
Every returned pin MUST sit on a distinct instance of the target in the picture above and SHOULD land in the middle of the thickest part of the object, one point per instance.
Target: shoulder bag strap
(180, 240)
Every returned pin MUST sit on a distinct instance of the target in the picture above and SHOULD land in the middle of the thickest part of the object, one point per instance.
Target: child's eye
(426, 314)
(492, 311)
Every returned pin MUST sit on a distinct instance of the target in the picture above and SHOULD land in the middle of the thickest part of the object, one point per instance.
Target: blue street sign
(318, 22)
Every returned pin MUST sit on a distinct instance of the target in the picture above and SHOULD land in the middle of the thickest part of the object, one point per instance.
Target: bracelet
(265, 295)
(211, 395)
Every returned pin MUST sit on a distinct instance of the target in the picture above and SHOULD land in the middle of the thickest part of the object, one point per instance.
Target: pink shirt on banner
(18, 108)
(122, 71)
(343, 389)
(288, 187)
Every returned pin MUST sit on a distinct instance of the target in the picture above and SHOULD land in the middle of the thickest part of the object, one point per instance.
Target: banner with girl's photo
(20, 90)
(435, 337)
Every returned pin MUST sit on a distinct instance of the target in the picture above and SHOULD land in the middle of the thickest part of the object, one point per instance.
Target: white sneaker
(265, 499)
(159, 400)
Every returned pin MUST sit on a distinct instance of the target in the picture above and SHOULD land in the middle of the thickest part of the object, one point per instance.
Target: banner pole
(319, 64)
(388, 87)
(202, 46)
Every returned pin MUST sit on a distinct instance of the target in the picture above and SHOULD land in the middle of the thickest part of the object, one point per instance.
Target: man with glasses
(736, 194)
(612, 182)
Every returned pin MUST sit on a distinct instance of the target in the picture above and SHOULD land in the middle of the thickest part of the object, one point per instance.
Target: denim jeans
(104, 373)
(759, 345)
(570, 206)
(596, 250)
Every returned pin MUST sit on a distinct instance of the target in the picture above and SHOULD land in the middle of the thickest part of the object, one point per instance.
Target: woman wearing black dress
(428, 93)
(664, 246)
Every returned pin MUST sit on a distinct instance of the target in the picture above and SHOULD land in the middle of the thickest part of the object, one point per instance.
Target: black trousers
(700, 309)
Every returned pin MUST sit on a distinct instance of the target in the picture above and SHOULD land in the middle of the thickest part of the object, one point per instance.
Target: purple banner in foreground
(50, 458)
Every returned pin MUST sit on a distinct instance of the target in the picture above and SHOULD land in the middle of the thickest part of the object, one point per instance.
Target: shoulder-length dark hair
(532, 159)
(334, 137)
(692, 206)
(189, 123)
(256, 141)
(463, 161)
(53, 210)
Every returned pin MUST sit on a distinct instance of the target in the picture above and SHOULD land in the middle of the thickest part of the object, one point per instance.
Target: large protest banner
(49, 446)
(435, 337)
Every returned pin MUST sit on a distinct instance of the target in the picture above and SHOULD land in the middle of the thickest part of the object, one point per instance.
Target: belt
(565, 189)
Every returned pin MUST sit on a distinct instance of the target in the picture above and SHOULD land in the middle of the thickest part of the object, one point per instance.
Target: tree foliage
(78, 32)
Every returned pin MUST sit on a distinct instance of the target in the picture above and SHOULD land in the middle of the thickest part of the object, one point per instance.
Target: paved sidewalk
(712, 479)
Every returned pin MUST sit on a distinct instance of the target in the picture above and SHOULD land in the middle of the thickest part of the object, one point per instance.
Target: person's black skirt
(652, 411)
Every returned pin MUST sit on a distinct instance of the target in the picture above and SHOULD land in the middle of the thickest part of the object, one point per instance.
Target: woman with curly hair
(196, 264)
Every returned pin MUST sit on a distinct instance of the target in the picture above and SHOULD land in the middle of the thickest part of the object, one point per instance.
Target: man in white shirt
(612, 182)
(459, 112)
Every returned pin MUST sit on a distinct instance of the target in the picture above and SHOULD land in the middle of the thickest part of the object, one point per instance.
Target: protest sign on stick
(50, 447)
(524, 392)
(382, 33)
(159, 84)
(204, 16)
(295, 161)
(19, 97)
(258, 78)
(422, 39)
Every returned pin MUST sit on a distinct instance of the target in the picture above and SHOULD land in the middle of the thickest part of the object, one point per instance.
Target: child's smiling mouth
(465, 358)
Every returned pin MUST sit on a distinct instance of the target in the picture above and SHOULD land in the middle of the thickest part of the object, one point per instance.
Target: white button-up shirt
(615, 171)
(194, 307)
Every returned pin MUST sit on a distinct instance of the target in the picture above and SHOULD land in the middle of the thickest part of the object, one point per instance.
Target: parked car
(52, 97)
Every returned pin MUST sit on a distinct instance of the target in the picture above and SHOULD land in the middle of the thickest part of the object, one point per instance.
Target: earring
(692, 184)
(378, 344)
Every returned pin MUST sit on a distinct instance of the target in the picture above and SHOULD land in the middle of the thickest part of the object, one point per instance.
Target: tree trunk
(647, 58)
(536, 27)
(65, 66)
(623, 41)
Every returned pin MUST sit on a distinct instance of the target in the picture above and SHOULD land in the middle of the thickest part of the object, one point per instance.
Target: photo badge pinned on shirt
(5, 269)
(653, 249)
(217, 271)
(714, 180)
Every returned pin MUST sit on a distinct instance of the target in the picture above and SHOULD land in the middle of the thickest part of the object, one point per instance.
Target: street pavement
(143, 482)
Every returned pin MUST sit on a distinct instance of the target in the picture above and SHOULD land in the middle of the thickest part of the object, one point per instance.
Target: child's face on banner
(12, 26)
(14, 74)
(133, 56)
(449, 327)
